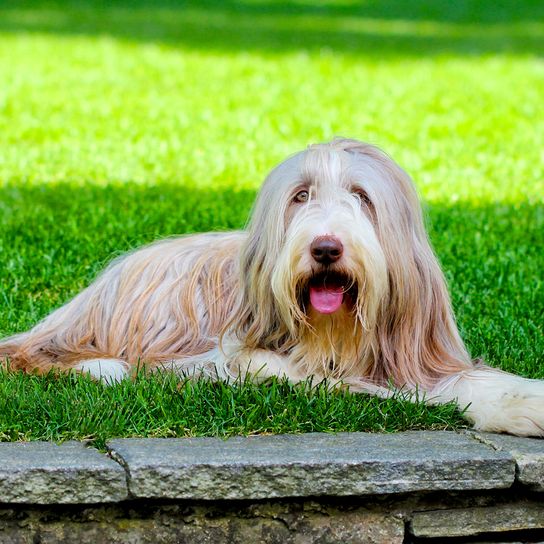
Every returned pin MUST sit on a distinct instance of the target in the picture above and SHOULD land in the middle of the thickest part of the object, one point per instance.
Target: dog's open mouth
(327, 291)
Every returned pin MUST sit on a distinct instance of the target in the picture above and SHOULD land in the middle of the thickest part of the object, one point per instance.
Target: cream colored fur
(110, 371)
(225, 304)
(497, 401)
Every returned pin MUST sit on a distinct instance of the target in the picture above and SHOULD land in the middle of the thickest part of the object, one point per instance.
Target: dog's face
(323, 216)
(337, 248)
(330, 260)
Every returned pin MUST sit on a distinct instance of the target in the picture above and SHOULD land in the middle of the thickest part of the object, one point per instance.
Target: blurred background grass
(121, 122)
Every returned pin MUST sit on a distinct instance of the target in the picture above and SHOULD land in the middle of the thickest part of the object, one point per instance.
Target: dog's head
(338, 257)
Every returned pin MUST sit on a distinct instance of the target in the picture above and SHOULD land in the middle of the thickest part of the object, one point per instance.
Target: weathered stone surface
(371, 529)
(516, 516)
(217, 523)
(46, 473)
(310, 464)
(528, 454)
(15, 535)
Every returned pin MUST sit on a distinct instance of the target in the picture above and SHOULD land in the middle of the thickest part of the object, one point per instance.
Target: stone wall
(421, 487)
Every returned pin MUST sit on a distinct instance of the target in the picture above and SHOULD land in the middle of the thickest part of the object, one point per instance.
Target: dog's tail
(52, 343)
(68, 335)
(9, 348)
(26, 353)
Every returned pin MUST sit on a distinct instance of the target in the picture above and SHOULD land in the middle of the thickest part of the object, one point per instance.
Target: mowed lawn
(124, 122)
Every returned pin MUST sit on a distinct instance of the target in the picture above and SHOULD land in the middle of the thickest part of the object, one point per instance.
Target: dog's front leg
(231, 362)
(261, 364)
(497, 401)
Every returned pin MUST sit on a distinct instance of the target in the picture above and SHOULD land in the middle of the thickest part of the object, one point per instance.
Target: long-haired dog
(334, 278)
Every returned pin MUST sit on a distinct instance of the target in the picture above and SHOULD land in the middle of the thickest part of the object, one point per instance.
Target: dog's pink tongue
(326, 300)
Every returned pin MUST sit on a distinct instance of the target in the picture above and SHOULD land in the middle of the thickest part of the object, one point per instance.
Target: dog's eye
(362, 196)
(302, 196)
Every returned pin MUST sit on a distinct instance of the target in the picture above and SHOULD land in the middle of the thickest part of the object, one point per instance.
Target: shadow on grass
(55, 238)
(373, 28)
(115, 217)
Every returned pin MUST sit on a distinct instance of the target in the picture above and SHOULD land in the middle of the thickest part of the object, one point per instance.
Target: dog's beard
(326, 291)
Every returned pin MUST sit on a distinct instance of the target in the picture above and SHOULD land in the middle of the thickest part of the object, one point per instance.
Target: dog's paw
(362, 385)
(496, 401)
(108, 371)
(514, 413)
(518, 410)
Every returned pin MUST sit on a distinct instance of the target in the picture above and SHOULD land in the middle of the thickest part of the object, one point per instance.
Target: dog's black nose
(326, 249)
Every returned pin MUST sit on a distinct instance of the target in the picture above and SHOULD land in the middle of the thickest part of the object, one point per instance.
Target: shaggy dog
(334, 278)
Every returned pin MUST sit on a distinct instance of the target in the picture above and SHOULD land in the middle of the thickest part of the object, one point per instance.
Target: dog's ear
(417, 339)
(256, 321)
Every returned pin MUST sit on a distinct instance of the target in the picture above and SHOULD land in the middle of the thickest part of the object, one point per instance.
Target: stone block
(275, 522)
(312, 464)
(528, 454)
(47, 473)
(462, 522)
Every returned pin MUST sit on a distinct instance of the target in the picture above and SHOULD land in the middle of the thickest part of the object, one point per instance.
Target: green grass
(122, 122)
(74, 407)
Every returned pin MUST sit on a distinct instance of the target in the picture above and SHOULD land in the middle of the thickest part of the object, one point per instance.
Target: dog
(333, 279)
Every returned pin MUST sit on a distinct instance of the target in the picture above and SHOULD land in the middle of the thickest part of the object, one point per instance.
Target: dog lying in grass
(333, 279)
